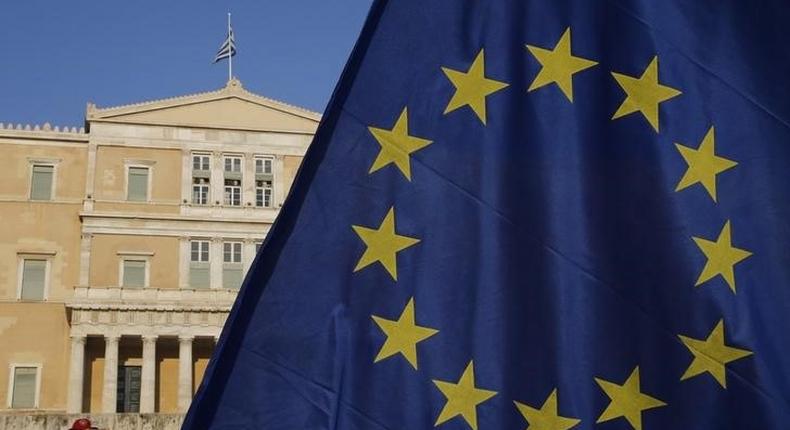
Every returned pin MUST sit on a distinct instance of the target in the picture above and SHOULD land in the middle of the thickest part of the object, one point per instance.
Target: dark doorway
(129, 388)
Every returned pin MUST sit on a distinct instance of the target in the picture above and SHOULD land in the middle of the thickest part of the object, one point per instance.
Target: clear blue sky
(58, 55)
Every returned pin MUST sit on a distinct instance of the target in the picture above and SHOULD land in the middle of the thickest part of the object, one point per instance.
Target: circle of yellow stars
(473, 86)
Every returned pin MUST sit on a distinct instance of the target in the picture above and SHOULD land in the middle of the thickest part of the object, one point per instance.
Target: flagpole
(230, 53)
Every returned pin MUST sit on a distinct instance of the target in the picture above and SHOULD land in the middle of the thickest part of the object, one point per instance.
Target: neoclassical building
(123, 244)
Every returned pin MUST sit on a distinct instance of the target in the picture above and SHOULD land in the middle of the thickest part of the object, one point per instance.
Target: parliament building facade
(122, 247)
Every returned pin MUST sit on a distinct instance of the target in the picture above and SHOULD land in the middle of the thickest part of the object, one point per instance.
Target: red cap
(82, 424)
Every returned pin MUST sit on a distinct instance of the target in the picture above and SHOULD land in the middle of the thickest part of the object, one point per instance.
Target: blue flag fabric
(548, 213)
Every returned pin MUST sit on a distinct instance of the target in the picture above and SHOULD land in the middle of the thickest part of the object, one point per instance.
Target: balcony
(152, 298)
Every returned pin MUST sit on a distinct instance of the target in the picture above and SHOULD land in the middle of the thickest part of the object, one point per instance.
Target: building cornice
(233, 89)
(45, 132)
(176, 225)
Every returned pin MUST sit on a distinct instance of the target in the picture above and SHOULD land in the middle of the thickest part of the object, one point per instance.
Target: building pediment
(231, 107)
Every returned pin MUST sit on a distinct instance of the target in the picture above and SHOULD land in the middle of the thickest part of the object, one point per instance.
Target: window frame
(229, 201)
(130, 256)
(232, 264)
(234, 245)
(207, 186)
(150, 168)
(207, 161)
(200, 251)
(263, 159)
(11, 382)
(203, 157)
(40, 256)
(263, 193)
(200, 263)
(233, 158)
(42, 163)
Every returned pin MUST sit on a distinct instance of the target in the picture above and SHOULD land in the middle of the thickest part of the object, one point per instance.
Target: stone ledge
(143, 298)
(59, 421)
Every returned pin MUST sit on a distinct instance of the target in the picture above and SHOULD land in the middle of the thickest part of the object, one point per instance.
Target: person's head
(82, 424)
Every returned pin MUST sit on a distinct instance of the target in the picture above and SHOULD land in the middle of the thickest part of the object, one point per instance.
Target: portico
(142, 338)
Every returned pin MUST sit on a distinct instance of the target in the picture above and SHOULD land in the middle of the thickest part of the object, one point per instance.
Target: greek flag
(228, 48)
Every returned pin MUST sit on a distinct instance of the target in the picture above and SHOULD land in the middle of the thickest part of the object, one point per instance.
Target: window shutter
(138, 184)
(33, 277)
(232, 277)
(24, 395)
(199, 276)
(41, 186)
(133, 273)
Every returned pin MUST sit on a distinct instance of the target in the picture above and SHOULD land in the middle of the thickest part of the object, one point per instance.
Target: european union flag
(543, 214)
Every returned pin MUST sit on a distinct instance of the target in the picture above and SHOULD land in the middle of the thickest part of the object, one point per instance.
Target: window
(264, 182)
(24, 387)
(233, 164)
(232, 252)
(232, 271)
(201, 179)
(258, 247)
(263, 166)
(233, 178)
(199, 273)
(201, 162)
(34, 277)
(137, 184)
(199, 250)
(200, 187)
(41, 182)
(134, 273)
(263, 194)
(232, 192)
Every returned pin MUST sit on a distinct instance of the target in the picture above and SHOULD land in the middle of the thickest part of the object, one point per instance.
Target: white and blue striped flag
(228, 48)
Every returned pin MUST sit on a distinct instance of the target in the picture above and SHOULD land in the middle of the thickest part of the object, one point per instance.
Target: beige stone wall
(105, 258)
(111, 179)
(42, 230)
(94, 375)
(70, 165)
(167, 376)
(290, 167)
(201, 355)
(35, 334)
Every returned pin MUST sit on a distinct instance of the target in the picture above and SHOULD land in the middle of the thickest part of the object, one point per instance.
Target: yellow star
(559, 65)
(703, 164)
(383, 244)
(627, 400)
(722, 257)
(711, 355)
(402, 335)
(472, 87)
(644, 94)
(462, 398)
(397, 145)
(547, 417)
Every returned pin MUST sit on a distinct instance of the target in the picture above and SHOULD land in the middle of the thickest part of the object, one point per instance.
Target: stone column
(184, 256)
(76, 377)
(248, 180)
(184, 372)
(217, 261)
(186, 178)
(278, 194)
(85, 259)
(248, 254)
(110, 389)
(148, 377)
(217, 179)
